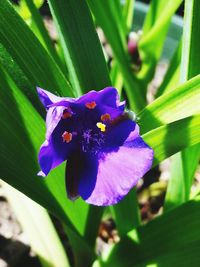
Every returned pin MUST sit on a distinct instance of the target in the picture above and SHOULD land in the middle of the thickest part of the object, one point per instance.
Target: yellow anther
(105, 117)
(101, 126)
(67, 137)
(91, 105)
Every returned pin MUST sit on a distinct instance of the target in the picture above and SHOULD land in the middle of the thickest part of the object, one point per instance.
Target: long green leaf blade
(152, 41)
(83, 53)
(106, 18)
(166, 141)
(31, 56)
(86, 66)
(172, 239)
(181, 102)
(21, 134)
(187, 161)
(39, 228)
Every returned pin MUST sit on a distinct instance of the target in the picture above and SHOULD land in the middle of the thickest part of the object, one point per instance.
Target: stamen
(91, 105)
(101, 126)
(66, 114)
(105, 117)
(67, 137)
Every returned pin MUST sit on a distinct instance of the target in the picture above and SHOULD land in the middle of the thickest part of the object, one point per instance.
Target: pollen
(105, 117)
(91, 105)
(66, 115)
(67, 137)
(101, 126)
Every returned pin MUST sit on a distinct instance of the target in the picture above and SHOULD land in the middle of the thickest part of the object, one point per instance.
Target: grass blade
(155, 30)
(186, 161)
(21, 135)
(38, 226)
(180, 103)
(83, 53)
(28, 52)
(36, 17)
(105, 17)
(166, 141)
(172, 239)
(172, 77)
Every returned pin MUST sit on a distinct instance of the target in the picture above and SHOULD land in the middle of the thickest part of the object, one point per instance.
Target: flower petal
(54, 151)
(47, 98)
(106, 179)
(122, 130)
(108, 96)
(74, 167)
(54, 116)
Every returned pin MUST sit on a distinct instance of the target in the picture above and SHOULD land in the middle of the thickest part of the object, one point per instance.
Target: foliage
(169, 124)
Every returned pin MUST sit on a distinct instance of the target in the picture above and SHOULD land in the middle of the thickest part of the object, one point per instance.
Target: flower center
(92, 140)
(86, 127)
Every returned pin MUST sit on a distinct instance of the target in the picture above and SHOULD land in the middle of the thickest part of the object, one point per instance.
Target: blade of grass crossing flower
(86, 65)
(126, 213)
(37, 224)
(181, 102)
(170, 240)
(82, 49)
(104, 16)
(21, 135)
(28, 52)
(188, 159)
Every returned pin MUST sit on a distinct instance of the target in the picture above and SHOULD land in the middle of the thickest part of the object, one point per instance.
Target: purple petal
(47, 98)
(54, 151)
(108, 97)
(107, 178)
(121, 131)
(74, 167)
(54, 116)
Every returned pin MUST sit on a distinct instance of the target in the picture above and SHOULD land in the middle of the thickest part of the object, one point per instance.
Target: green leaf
(86, 66)
(27, 51)
(48, 43)
(37, 224)
(155, 30)
(126, 212)
(183, 167)
(82, 49)
(115, 74)
(190, 66)
(21, 135)
(11, 67)
(172, 239)
(166, 141)
(105, 16)
(128, 13)
(180, 103)
(172, 77)
(187, 161)
(154, 11)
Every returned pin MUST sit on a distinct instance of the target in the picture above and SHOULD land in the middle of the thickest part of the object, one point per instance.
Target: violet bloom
(105, 154)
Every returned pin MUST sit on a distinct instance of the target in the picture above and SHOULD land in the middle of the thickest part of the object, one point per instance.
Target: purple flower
(105, 154)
